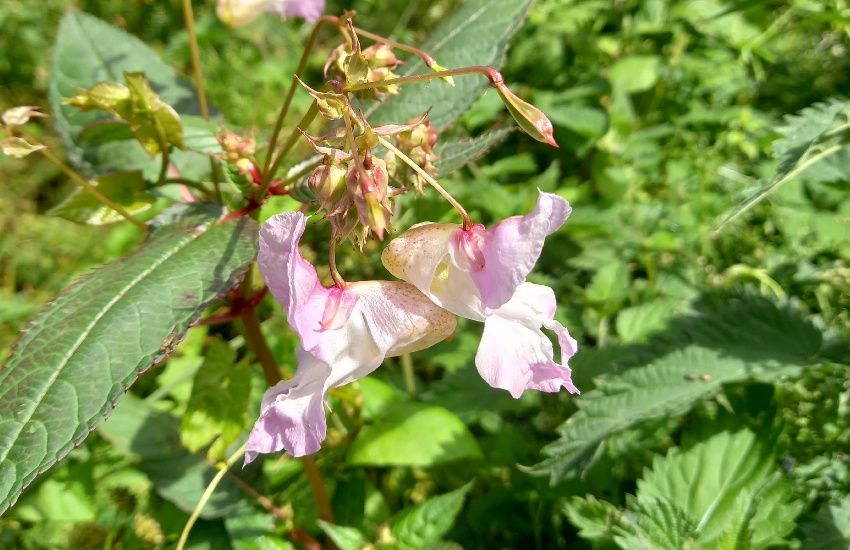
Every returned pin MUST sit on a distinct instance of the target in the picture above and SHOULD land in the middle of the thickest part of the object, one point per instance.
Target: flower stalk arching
(467, 221)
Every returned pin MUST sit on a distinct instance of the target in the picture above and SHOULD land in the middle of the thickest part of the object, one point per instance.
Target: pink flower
(345, 334)
(238, 13)
(479, 274)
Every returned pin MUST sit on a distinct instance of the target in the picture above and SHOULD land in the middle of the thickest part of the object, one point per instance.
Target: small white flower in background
(238, 13)
(18, 116)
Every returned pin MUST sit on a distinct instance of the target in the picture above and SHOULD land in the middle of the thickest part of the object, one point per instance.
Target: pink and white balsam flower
(345, 334)
(480, 273)
(238, 13)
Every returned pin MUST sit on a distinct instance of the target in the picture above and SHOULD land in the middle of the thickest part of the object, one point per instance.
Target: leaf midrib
(76, 346)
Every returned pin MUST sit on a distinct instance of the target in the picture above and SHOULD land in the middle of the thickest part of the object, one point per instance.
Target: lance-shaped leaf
(152, 121)
(477, 33)
(126, 189)
(85, 349)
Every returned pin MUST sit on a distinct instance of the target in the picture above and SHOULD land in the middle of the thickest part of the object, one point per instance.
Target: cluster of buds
(240, 164)
(418, 144)
(351, 185)
(351, 64)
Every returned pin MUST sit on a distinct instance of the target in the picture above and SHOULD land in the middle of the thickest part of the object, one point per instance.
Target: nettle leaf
(126, 189)
(744, 339)
(218, 407)
(396, 438)
(89, 51)
(85, 349)
(728, 488)
(151, 437)
(477, 33)
(799, 156)
(655, 524)
(455, 154)
(426, 523)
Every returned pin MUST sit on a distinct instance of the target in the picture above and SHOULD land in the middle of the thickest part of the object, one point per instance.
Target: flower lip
(469, 243)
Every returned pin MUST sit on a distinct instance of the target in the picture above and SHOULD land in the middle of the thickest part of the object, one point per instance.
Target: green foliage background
(716, 397)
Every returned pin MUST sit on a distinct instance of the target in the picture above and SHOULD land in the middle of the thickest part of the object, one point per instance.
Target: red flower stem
(338, 280)
(494, 76)
(397, 45)
(287, 102)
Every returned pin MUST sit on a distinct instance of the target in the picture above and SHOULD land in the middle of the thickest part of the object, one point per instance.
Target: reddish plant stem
(258, 344)
(494, 76)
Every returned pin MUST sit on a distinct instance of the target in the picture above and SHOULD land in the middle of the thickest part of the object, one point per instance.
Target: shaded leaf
(594, 518)
(346, 538)
(126, 189)
(217, 409)
(148, 435)
(828, 527)
(396, 439)
(80, 355)
(426, 523)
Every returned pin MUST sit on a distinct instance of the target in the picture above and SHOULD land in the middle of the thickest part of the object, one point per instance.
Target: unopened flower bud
(331, 106)
(380, 55)
(376, 215)
(531, 120)
(381, 74)
(327, 182)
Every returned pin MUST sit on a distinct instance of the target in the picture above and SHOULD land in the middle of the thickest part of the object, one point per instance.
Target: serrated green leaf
(727, 489)
(88, 51)
(137, 430)
(828, 527)
(217, 409)
(454, 155)
(126, 189)
(594, 518)
(426, 523)
(655, 524)
(477, 33)
(396, 439)
(80, 355)
(346, 538)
